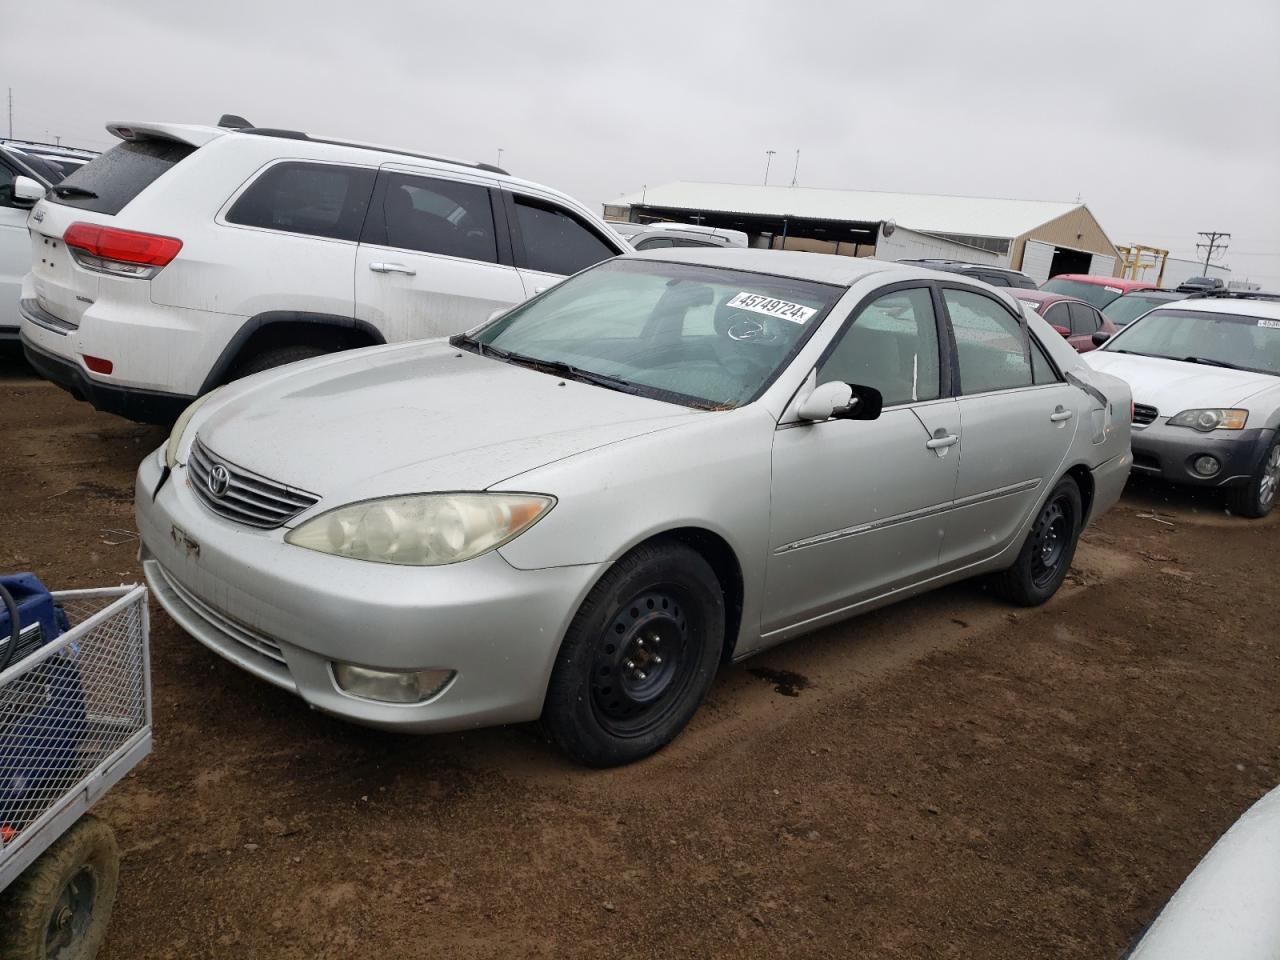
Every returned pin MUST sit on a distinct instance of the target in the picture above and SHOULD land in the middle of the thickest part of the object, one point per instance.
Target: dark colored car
(1201, 284)
(1125, 309)
(1092, 288)
(1074, 319)
(996, 276)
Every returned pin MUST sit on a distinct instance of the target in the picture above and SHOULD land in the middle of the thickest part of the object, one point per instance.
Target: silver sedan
(580, 509)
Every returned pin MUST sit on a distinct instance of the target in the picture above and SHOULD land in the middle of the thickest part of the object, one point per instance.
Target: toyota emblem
(218, 480)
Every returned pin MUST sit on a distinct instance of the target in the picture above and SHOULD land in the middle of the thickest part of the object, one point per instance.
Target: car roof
(1237, 306)
(801, 265)
(1120, 282)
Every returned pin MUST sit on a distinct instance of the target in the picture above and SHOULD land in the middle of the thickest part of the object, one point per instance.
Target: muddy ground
(948, 778)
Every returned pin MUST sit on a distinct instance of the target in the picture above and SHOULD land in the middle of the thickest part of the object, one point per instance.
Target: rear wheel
(270, 357)
(1050, 546)
(638, 658)
(1257, 498)
(59, 908)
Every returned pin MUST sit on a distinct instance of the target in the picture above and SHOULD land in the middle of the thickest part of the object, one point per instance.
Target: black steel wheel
(1046, 554)
(638, 658)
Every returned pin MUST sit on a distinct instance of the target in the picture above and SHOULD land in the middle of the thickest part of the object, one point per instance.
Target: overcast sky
(1163, 116)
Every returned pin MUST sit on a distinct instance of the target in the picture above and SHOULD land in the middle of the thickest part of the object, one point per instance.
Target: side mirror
(841, 401)
(1100, 337)
(26, 191)
(1062, 331)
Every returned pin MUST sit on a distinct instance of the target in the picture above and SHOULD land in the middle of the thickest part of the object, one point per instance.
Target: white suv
(187, 256)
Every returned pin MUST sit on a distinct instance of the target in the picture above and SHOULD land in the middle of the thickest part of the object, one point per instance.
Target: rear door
(552, 242)
(1016, 432)
(435, 255)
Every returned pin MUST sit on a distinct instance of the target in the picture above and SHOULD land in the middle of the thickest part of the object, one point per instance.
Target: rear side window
(555, 241)
(991, 346)
(434, 216)
(107, 183)
(1041, 369)
(1084, 320)
(318, 199)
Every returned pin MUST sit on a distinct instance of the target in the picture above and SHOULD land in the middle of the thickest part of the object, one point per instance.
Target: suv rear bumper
(143, 406)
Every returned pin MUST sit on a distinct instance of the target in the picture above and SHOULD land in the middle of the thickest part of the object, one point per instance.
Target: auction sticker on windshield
(1270, 324)
(771, 307)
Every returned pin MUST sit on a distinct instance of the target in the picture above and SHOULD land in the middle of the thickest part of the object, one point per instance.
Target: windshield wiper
(71, 190)
(1212, 363)
(558, 367)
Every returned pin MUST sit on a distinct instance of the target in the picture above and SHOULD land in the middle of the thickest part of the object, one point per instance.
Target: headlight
(1212, 419)
(179, 428)
(423, 530)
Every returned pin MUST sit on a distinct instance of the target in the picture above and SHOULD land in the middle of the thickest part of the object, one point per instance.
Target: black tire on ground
(1257, 498)
(60, 906)
(270, 357)
(1050, 546)
(638, 658)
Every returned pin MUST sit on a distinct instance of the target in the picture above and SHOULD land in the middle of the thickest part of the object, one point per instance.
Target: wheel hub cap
(637, 663)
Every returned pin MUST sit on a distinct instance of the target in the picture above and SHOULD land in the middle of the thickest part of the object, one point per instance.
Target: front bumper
(1160, 450)
(143, 406)
(285, 613)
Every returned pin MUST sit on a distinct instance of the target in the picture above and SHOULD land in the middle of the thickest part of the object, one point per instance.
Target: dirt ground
(948, 778)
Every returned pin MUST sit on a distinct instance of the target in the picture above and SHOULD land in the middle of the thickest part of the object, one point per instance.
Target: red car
(1074, 319)
(1093, 289)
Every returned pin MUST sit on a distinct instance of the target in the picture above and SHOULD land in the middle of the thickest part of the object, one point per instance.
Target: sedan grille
(237, 494)
(1143, 414)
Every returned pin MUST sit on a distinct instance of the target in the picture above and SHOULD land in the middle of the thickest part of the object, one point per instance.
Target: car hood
(1173, 385)
(415, 417)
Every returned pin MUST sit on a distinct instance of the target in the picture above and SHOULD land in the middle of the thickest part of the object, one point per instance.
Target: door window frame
(521, 258)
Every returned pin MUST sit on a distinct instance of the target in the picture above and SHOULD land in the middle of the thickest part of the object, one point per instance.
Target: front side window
(6, 186)
(434, 216)
(318, 199)
(1212, 339)
(892, 345)
(555, 241)
(991, 346)
(700, 336)
(1084, 320)
(1057, 316)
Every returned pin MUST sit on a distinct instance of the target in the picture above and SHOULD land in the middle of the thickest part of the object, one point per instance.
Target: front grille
(229, 628)
(1143, 414)
(245, 497)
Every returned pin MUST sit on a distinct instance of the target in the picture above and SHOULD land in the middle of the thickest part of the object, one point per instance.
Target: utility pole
(1213, 241)
(796, 171)
(11, 113)
(499, 156)
(768, 159)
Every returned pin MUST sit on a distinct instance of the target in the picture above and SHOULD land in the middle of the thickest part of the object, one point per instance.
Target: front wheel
(1257, 498)
(1050, 546)
(58, 909)
(638, 658)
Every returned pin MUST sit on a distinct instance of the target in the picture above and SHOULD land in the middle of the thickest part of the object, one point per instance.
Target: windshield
(1216, 339)
(1124, 310)
(1094, 293)
(695, 335)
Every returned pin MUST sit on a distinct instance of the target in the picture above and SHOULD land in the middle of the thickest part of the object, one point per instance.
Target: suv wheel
(638, 658)
(270, 357)
(1257, 498)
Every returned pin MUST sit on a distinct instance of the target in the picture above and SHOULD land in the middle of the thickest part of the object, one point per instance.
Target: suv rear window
(319, 199)
(121, 174)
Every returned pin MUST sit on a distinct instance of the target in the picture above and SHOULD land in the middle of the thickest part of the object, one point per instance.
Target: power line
(1213, 242)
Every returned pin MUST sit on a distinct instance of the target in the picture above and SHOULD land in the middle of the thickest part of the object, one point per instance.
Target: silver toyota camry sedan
(578, 510)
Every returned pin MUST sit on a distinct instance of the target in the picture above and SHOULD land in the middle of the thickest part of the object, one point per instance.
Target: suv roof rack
(19, 143)
(1234, 295)
(231, 121)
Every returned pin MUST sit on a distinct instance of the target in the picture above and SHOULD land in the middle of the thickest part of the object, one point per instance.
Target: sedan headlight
(423, 530)
(179, 428)
(1212, 419)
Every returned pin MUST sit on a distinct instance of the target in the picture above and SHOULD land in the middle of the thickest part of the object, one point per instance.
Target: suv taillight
(121, 253)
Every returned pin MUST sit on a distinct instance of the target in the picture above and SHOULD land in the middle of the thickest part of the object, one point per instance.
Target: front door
(15, 249)
(859, 507)
(1017, 431)
(429, 261)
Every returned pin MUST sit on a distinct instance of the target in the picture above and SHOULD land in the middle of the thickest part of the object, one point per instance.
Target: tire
(59, 908)
(1050, 546)
(1257, 498)
(638, 658)
(277, 357)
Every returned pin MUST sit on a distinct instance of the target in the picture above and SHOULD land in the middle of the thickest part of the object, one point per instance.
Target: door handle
(1060, 415)
(380, 267)
(941, 443)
